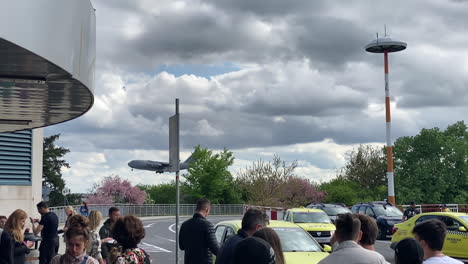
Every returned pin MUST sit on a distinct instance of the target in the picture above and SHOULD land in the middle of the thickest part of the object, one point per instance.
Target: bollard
(32, 257)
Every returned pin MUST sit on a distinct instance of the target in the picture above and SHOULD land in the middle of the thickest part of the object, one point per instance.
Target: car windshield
(294, 239)
(336, 210)
(389, 211)
(311, 217)
(464, 218)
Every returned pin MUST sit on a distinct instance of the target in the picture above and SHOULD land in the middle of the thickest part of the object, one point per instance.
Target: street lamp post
(387, 45)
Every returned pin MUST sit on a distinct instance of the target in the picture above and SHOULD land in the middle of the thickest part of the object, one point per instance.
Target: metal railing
(425, 208)
(144, 210)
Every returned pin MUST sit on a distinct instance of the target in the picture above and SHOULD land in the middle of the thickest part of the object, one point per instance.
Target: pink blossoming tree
(113, 189)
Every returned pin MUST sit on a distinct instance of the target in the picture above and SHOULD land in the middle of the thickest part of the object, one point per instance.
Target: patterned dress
(94, 245)
(133, 256)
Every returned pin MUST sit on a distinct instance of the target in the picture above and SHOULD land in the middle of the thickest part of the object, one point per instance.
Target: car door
(229, 233)
(219, 233)
(456, 240)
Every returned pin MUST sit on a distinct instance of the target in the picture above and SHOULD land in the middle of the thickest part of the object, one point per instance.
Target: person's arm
(181, 237)
(212, 241)
(21, 249)
(405, 215)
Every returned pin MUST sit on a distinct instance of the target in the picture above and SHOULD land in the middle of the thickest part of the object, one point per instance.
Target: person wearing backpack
(128, 232)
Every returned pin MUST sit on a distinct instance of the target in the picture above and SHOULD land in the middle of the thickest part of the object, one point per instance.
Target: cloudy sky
(263, 77)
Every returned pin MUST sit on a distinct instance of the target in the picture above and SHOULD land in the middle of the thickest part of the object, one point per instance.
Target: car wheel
(382, 234)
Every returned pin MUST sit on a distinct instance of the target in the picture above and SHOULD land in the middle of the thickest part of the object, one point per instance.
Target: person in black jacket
(253, 220)
(48, 226)
(6, 247)
(105, 233)
(14, 226)
(197, 236)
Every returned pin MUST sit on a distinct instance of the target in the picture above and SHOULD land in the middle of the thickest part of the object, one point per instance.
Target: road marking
(152, 248)
(383, 241)
(146, 226)
(164, 238)
(171, 228)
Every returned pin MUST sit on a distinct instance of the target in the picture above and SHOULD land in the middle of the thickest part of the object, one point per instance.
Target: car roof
(327, 205)
(373, 203)
(305, 210)
(444, 213)
(273, 223)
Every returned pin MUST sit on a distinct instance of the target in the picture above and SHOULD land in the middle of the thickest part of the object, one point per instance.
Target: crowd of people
(118, 238)
(353, 241)
(115, 242)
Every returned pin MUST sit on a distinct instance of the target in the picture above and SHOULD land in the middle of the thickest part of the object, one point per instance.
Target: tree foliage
(53, 163)
(432, 167)
(161, 194)
(363, 178)
(275, 184)
(208, 176)
(113, 189)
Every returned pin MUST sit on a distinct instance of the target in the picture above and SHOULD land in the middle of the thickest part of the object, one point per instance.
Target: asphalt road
(160, 240)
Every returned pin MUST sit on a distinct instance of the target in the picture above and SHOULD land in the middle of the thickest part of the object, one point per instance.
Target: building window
(16, 158)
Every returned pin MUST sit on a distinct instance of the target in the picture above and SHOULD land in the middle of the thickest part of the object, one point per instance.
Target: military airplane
(157, 166)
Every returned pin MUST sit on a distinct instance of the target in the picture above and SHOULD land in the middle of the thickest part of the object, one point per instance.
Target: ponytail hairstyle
(13, 225)
(78, 226)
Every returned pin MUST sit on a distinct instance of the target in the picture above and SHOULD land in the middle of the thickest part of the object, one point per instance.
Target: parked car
(384, 213)
(314, 221)
(298, 246)
(456, 241)
(332, 210)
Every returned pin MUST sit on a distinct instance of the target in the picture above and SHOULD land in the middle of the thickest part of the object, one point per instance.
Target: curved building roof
(47, 60)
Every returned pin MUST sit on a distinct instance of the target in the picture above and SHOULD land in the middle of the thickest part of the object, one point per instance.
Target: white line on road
(171, 228)
(146, 226)
(164, 238)
(152, 248)
(383, 241)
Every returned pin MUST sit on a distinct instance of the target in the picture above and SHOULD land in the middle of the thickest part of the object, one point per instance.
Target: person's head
(69, 210)
(348, 227)
(408, 251)
(15, 224)
(95, 218)
(253, 220)
(413, 204)
(270, 236)
(42, 208)
(431, 235)
(203, 207)
(114, 214)
(369, 231)
(85, 204)
(3, 220)
(128, 231)
(253, 250)
(77, 235)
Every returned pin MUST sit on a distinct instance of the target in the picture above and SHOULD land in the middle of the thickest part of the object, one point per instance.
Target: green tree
(363, 178)
(275, 184)
(161, 194)
(432, 167)
(340, 190)
(53, 162)
(208, 176)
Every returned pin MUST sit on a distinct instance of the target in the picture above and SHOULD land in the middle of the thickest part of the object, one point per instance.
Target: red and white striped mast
(387, 45)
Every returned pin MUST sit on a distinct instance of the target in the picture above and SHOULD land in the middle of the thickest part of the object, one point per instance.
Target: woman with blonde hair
(15, 226)
(94, 246)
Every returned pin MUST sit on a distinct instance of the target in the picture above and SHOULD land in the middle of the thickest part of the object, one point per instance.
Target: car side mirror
(462, 229)
(327, 248)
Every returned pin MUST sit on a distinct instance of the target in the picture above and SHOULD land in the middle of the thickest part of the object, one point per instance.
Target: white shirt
(442, 260)
(351, 253)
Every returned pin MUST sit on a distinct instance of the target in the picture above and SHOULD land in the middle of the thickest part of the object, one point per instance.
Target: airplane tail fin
(189, 159)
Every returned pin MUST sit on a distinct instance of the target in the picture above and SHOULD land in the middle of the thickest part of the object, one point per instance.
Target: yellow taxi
(456, 241)
(298, 246)
(315, 221)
